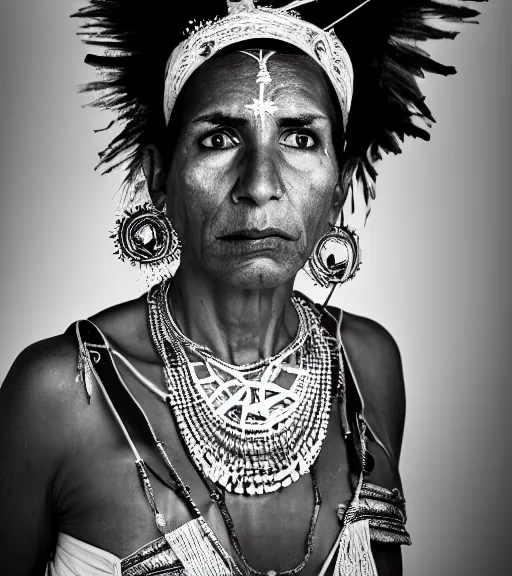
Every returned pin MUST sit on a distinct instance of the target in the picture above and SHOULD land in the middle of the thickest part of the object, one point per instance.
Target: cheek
(311, 183)
(193, 191)
(316, 170)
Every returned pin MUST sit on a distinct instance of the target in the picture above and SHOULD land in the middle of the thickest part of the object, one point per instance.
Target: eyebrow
(300, 120)
(218, 118)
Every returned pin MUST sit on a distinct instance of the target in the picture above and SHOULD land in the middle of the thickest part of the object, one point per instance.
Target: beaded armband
(385, 511)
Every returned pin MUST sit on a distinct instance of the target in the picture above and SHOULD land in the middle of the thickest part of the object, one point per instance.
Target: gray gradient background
(436, 268)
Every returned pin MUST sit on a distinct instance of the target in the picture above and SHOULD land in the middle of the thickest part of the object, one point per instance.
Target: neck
(238, 326)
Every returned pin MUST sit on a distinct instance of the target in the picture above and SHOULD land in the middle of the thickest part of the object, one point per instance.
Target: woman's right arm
(37, 411)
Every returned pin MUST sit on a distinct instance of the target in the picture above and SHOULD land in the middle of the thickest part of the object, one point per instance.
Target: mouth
(254, 234)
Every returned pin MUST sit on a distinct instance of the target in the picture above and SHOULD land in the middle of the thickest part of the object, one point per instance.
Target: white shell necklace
(244, 431)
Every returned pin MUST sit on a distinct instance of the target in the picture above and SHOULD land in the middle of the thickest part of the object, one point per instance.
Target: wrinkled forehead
(228, 82)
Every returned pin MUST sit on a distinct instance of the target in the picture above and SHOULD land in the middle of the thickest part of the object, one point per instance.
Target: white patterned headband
(245, 22)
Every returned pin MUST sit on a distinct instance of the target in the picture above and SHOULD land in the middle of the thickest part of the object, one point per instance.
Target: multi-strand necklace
(243, 430)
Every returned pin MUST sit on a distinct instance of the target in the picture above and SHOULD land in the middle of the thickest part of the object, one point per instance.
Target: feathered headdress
(380, 37)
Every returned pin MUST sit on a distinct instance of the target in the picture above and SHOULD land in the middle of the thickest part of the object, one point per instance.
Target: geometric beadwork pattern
(243, 400)
(254, 428)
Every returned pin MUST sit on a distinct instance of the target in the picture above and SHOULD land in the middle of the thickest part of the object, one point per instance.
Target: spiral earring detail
(145, 237)
(330, 266)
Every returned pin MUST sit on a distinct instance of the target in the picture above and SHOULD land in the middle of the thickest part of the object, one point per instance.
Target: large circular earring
(336, 257)
(145, 237)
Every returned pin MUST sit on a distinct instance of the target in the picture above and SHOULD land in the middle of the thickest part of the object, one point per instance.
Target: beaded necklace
(242, 430)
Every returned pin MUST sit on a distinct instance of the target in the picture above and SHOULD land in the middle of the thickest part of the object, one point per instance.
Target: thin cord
(331, 292)
(151, 387)
(346, 16)
(295, 4)
(116, 416)
(326, 565)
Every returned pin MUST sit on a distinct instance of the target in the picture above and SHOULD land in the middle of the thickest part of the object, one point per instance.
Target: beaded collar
(244, 430)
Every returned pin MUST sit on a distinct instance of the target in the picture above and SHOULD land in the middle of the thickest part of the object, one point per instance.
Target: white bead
(286, 482)
(251, 490)
(272, 488)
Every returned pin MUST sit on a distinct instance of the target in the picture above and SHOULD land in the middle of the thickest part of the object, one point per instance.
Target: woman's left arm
(377, 366)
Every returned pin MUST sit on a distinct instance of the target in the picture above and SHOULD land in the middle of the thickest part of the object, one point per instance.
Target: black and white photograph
(256, 272)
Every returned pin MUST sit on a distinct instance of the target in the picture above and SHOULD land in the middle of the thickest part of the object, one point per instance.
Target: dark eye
(220, 141)
(297, 140)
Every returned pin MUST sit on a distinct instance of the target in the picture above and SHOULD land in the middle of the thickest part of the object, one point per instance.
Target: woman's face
(253, 180)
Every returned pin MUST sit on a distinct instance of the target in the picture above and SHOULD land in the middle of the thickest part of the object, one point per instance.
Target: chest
(102, 501)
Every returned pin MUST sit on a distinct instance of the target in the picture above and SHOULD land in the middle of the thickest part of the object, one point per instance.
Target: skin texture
(259, 178)
(234, 295)
(67, 467)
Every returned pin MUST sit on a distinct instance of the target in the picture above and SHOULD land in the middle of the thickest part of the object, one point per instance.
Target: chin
(262, 274)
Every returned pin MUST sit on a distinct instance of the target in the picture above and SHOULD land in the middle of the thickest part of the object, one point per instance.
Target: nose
(260, 180)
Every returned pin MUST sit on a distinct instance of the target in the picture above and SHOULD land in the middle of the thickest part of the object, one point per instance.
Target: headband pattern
(246, 22)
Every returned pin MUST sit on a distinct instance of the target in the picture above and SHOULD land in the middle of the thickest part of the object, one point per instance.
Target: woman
(280, 450)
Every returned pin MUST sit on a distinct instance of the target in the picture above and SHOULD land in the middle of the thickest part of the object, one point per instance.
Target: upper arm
(376, 362)
(35, 416)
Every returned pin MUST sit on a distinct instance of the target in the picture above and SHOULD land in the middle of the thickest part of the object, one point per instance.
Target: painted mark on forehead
(261, 107)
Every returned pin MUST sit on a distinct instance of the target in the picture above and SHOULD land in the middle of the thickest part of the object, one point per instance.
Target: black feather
(138, 37)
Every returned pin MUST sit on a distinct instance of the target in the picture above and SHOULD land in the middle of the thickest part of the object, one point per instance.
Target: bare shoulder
(40, 391)
(41, 388)
(126, 328)
(43, 369)
(370, 340)
(375, 359)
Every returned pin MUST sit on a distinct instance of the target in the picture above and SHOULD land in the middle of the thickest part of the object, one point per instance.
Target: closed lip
(255, 234)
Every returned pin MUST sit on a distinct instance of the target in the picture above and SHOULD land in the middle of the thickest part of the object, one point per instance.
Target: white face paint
(260, 106)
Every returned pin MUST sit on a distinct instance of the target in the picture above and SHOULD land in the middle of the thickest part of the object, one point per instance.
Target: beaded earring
(145, 237)
(327, 265)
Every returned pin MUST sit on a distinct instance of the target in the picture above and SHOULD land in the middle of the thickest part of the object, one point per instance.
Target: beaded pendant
(245, 431)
